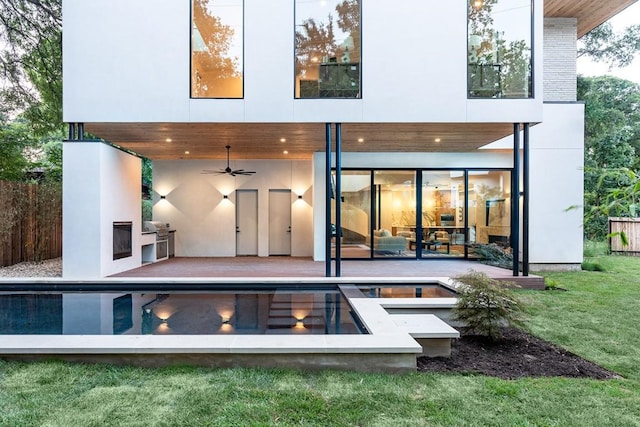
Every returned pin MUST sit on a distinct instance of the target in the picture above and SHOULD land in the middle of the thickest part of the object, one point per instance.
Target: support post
(327, 201)
(338, 199)
(525, 201)
(515, 200)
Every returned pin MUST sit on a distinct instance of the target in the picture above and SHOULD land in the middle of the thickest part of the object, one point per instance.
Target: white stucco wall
(101, 185)
(128, 61)
(205, 222)
(557, 183)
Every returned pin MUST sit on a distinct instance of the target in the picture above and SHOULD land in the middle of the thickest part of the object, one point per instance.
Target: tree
(612, 144)
(31, 61)
(616, 49)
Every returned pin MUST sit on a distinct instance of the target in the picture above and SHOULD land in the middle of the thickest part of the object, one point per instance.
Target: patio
(218, 269)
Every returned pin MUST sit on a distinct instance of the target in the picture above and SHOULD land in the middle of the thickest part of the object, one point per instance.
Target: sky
(627, 17)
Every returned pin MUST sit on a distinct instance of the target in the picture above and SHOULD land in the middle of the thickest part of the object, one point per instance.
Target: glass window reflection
(499, 49)
(217, 49)
(327, 49)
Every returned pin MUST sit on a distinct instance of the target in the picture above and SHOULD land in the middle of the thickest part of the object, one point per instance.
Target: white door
(246, 222)
(279, 222)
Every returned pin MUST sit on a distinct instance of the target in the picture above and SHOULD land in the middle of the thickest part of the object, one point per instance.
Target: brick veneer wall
(560, 46)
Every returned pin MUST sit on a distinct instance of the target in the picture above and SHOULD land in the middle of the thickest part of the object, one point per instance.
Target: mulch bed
(517, 354)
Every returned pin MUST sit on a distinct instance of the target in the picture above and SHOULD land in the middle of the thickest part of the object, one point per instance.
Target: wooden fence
(631, 228)
(30, 222)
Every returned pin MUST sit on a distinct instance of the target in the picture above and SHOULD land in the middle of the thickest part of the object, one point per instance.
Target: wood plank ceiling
(590, 13)
(165, 141)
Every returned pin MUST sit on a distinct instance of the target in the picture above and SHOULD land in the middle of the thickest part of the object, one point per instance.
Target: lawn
(597, 318)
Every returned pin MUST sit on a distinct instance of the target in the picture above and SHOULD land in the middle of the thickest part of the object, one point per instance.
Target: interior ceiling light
(360, 139)
(283, 140)
(186, 152)
(437, 140)
(168, 139)
(285, 152)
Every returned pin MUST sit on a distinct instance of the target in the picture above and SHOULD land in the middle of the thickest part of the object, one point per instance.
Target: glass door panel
(443, 214)
(395, 214)
(489, 209)
(355, 217)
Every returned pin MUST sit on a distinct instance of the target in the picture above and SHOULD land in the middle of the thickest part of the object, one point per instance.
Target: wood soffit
(301, 140)
(590, 13)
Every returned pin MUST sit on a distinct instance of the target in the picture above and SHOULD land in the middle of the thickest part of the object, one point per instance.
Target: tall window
(217, 48)
(499, 49)
(327, 44)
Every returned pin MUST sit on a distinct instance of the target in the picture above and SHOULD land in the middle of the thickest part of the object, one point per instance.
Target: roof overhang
(167, 141)
(590, 13)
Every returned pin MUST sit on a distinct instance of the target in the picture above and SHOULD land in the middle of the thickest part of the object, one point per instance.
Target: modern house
(343, 128)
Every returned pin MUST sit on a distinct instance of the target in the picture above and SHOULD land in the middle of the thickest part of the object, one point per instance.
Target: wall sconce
(163, 197)
(226, 196)
(226, 320)
(299, 196)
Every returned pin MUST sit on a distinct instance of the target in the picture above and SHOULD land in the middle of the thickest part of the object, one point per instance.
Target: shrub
(493, 254)
(592, 266)
(485, 305)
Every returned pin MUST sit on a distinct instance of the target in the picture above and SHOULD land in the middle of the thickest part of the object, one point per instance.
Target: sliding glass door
(355, 218)
(421, 213)
(443, 214)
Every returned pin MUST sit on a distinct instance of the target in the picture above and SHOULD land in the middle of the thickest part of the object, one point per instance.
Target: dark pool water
(208, 312)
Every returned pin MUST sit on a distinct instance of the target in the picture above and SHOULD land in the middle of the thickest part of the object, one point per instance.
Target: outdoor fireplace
(122, 244)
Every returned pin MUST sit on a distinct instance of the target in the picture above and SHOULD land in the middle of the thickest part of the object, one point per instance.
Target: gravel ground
(48, 268)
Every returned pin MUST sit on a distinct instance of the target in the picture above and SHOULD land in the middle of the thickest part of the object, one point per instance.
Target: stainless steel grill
(160, 228)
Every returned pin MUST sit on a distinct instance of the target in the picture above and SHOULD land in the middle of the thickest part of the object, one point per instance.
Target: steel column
(525, 201)
(327, 201)
(515, 200)
(338, 198)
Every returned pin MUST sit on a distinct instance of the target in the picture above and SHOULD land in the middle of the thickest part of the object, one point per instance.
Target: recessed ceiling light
(360, 139)
(168, 139)
(283, 139)
(186, 152)
(285, 152)
(437, 140)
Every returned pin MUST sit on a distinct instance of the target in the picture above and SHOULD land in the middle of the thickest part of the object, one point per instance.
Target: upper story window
(327, 49)
(217, 48)
(499, 49)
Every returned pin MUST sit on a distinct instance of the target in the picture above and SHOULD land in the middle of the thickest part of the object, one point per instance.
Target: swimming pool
(229, 312)
(431, 290)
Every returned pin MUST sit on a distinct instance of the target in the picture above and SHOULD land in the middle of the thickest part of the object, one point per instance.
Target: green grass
(596, 318)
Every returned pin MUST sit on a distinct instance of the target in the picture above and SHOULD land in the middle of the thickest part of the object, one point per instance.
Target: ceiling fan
(228, 170)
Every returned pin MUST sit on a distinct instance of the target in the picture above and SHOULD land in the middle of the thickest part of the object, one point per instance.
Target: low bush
(485, 305)
(592, 266)
(493, 254)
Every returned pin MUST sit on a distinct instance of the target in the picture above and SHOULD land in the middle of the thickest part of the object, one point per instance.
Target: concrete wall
(205, 222)
(128, 61)
(560, 50)
(101, 185)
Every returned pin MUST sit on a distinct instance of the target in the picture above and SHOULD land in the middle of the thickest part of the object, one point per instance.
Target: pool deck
(295, 268)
